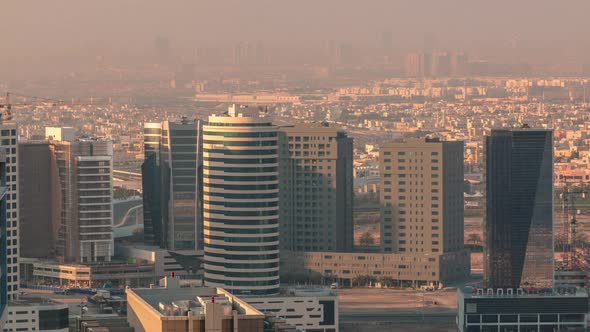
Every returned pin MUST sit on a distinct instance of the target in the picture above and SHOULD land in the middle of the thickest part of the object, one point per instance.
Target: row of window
(410, 153)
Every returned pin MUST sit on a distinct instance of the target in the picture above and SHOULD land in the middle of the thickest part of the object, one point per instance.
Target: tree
(474, 238)
(366, 239)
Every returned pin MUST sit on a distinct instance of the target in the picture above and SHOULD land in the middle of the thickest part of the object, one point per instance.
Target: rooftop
(472, 292)
(173, 300)
(34, 301)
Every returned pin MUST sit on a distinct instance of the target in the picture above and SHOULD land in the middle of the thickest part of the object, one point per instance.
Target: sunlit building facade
(241, 196)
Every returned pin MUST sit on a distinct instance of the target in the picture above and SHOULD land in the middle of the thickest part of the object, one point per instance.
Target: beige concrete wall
(141, 316)
(424, 268)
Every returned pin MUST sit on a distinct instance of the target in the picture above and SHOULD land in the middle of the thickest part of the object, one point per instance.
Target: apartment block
(316, 188)
(85, 169)
(421, 195)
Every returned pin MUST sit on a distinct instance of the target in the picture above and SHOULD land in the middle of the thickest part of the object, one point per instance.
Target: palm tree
(474, 238)
(366, 239)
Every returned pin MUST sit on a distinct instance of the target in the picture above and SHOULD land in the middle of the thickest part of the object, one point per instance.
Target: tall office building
(421, 194)
(419, 65)
(441, 64)
(241, 202)
(84, 232)
(519, 209)
(316, 189)
(172, 185)
(8, 141)
(39, 199)
(3, 240)
(152, 185)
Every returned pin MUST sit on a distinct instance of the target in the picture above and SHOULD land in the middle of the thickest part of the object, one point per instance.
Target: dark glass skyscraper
(519, 209)
(171, 182)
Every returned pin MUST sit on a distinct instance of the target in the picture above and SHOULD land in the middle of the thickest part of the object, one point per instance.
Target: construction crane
(569, 254)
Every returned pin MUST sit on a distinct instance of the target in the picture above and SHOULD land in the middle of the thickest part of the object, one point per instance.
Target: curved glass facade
(240, 202)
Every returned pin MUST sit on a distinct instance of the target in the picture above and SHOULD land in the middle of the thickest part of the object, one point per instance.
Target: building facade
(39, 200)
(35, 314)
(172, 185)
(388, 269)
(8, 141)
(152, 185)
(316, 189)
(519, 209)
(241, 202)
(3, 241)
(85, 169)
(508, 309)
(421, 195)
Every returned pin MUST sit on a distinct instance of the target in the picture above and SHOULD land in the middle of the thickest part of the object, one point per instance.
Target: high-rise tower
(519, 209)
(8, 141)
(421, 194)
(241, 202)
(85, 191)
(172, 185)
(316, 189)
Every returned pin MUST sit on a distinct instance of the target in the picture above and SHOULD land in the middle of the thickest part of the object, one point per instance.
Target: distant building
(241, 202)
(174, 309)
(172, 185)
(421, 195)
(419, 65)
(60, 133)
(441, 64)
(509, 309)
(519, 209)
(316, 189)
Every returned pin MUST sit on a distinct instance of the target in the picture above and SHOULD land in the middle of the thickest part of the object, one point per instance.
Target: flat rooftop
(174, 300)
(35, 301)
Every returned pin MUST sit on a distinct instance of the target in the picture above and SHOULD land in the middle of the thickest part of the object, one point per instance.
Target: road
(376, 310)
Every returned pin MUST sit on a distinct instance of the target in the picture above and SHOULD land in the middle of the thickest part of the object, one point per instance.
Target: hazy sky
(67, 24)
(37, 30)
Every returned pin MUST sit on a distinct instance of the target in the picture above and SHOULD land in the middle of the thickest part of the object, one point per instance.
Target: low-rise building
(36, 314)
(539, 310)
(203, 309)
(42, 272)
(401, 269)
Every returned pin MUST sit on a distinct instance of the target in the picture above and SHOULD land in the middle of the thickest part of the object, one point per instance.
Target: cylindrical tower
(240, 202)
